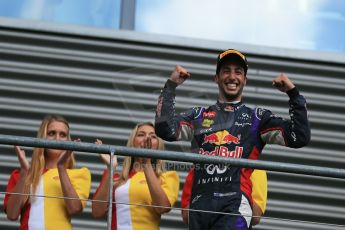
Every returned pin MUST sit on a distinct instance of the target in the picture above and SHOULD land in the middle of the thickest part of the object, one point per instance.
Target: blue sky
(299, 24)
(99, 13)
(302, 24)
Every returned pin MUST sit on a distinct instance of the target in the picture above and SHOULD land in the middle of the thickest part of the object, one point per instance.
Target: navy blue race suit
(228, 130)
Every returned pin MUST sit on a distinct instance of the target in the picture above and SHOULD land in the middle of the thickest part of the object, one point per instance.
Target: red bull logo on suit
(223, 152)
(221, 138)
(212, 139)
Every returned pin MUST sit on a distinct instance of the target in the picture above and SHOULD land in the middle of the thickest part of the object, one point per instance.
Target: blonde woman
(143, 181)
(51, 174)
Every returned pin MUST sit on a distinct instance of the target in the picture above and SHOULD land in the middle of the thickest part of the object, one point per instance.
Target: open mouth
(231, 85)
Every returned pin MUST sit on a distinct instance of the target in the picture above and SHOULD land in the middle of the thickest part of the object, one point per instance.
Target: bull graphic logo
(211, 169)
(212, 139)
(232, 139)
(221, 137)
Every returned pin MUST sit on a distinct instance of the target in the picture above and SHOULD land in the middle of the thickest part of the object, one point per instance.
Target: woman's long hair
(159, 166)
(38, 159)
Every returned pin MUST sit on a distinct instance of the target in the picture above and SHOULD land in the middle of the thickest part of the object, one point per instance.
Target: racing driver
(228, 129)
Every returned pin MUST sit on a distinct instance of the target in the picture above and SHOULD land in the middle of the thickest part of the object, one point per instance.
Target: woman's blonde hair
(38, 156)
(159, 166)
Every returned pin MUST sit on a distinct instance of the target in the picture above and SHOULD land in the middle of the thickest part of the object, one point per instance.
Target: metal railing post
(110, 190)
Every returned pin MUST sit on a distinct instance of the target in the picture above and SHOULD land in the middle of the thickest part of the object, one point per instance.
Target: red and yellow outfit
(136, 191)
(44, 212)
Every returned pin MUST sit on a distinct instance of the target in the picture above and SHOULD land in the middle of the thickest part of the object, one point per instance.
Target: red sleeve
(10, 186)
(116, 176)
(187, 189)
